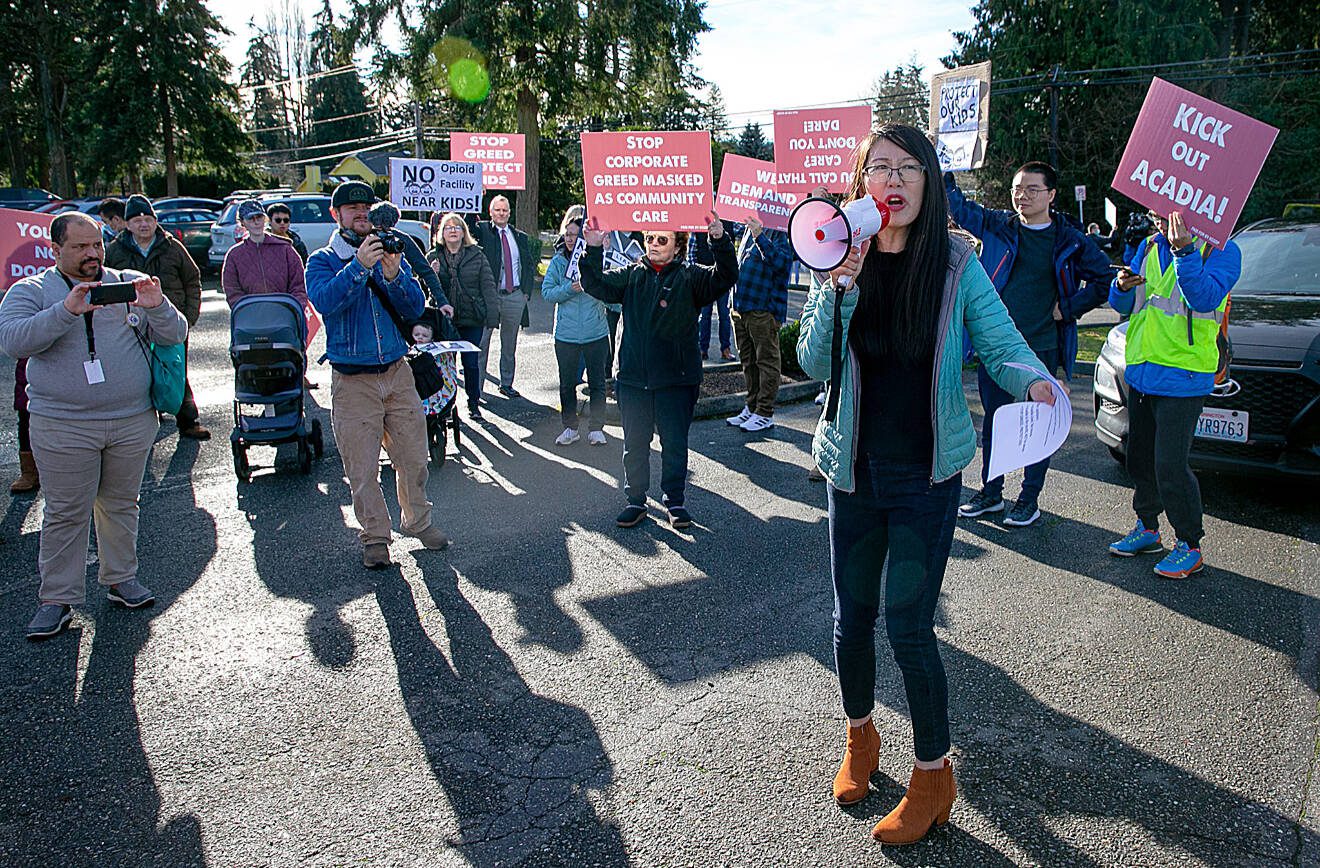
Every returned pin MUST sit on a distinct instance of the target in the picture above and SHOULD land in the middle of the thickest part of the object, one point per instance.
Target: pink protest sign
(25, 247)
(502, 157)
(749, 188)
(657, 180)
(818, 147)
(1190, 154)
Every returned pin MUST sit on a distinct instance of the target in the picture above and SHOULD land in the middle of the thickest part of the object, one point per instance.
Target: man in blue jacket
(1037, 264)
(365, 296)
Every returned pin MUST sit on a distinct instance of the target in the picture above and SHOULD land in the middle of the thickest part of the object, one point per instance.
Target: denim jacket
(358, 331)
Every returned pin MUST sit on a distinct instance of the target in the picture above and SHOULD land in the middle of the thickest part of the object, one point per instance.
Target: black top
(894, 411)
(1031, 291)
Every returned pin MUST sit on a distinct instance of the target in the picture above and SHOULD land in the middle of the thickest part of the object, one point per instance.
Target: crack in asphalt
(1299, 830)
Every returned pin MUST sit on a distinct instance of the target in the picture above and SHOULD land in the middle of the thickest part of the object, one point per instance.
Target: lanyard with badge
(92, 367)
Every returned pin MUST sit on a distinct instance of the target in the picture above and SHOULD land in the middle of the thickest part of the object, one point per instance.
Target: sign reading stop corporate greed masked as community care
(502, 157)
(435, 185)
(25, 247)
(657, 180)
(748, 188)
(1192, 155)
(818, 147)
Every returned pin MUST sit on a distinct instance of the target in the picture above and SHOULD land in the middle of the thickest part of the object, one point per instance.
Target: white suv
(311, 220)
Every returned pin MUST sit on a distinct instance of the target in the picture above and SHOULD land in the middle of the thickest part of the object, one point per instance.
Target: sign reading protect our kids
(748, 188)
(25, 246)
(1190, 154)
(648, 180)
(502, 157)
(960, 116)
(818, 147)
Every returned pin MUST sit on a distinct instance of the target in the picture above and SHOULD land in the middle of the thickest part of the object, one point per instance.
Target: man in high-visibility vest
(1177, 299)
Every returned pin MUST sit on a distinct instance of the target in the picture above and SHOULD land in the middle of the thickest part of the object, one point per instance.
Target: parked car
(193, 227)
(177, 203)
(25, 198)
(311, 219)
(1267, 421)
(90, 206)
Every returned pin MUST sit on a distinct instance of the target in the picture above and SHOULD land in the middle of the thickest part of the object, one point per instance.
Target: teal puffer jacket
(579, 318)
(970, 305)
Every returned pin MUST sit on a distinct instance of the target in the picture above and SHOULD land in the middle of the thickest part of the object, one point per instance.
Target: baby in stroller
(436, 377)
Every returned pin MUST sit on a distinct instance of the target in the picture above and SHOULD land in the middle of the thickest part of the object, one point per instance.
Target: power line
(311, 76)
(315, 123)
(398, 139)
(362, 139)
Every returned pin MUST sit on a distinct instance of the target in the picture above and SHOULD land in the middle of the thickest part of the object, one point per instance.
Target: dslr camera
(384, 216)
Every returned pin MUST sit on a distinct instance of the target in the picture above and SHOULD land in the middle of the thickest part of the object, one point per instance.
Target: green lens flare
(468, 80)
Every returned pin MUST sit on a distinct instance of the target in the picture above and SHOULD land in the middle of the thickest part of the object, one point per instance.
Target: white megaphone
(821, 232)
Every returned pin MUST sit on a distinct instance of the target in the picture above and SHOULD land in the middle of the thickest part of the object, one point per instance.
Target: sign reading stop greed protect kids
(25, 246)
(502, 157)
(818, 147)
(652, 180)
(1190, 154)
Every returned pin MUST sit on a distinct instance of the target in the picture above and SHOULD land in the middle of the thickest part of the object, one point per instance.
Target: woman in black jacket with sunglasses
(659, 366)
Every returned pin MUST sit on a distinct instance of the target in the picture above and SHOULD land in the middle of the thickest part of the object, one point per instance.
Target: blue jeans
(726, 325)
(471, 363)
(894, 514)
(992, 398)
(645, 412)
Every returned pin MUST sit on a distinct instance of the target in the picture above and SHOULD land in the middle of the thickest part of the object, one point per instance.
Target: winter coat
(579, 318)
(474, 299)
(169, 261)
(258, 269)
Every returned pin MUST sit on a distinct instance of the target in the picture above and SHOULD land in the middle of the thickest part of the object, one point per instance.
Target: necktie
(508, 260)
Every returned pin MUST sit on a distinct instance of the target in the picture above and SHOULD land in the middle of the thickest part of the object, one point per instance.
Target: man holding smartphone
(148, 248)
(89, 393)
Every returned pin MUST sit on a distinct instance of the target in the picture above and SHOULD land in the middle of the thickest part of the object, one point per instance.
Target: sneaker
(196, 432)
(50, 620)
(131, 593)
(980, 504)
(1180, 563)
(510, 392)
(376, 556)
(679, 517)
(433, 538)
(1023, 513)
(596, 438)
(1139, 541)
(757, 422)
(736, 421)
(631, 516)
(728, 356)
(820, 399)
(568, 438)
(474, 413)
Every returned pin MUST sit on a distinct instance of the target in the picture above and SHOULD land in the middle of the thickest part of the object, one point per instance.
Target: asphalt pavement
(553, 690)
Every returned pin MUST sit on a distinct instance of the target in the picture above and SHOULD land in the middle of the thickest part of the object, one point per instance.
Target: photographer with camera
(360, 287)
(384, 217)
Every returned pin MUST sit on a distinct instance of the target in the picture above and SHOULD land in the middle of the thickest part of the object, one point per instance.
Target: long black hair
(900, 319)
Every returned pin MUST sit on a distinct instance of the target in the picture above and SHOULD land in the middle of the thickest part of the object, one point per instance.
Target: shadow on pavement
(514, 765)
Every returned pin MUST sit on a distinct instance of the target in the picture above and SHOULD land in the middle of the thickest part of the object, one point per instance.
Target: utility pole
(1054, 116)
(417, 120)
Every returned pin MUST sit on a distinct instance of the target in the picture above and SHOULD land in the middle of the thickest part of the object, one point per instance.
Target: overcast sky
(768, 54)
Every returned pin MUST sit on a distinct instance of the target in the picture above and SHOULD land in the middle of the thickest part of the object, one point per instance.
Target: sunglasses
(658, 240)
(279, 219)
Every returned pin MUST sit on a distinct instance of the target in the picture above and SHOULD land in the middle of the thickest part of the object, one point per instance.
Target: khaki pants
(366, 412)
(757, 335)
(89, 470)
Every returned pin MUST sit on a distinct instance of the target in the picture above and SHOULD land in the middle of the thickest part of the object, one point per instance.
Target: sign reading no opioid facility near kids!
(748, 188)
(818, 147)
(502, 157)
(648, 180)
(1190, 154)
(435, 185)
(25, 247)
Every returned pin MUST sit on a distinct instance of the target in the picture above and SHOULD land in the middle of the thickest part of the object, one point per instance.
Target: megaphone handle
(843, 283)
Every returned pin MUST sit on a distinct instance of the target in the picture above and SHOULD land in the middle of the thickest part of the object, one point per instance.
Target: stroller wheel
(241, 468)
(304, 457)
(318, 443)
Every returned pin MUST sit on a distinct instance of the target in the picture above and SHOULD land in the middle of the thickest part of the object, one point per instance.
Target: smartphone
(113, 293)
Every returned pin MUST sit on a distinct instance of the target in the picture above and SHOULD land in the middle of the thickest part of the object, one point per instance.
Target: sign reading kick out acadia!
(502, 157)
(653, 180)
(1189, 154)
(819, 147)
(435, 185)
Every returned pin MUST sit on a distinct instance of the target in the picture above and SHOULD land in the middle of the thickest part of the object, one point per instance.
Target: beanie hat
(351, 192)
(137, 206)
(250, 208)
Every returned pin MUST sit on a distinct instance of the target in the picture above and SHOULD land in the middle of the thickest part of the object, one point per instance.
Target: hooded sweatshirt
(271, 266)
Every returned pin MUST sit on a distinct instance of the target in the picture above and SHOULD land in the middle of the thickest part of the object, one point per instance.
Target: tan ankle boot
(860, 760)
(927, 804)
(27, 479)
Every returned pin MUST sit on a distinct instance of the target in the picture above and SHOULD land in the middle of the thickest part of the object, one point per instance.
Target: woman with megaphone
(887, 330)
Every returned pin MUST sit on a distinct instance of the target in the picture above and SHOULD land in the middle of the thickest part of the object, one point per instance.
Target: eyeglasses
(908, 173)
(454, 226)
(1030, 192)
(658, 240)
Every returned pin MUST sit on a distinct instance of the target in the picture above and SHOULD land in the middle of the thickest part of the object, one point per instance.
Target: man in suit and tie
(513, 262)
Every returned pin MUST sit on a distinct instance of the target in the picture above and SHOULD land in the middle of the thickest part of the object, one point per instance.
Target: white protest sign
(960, 116)
(435, 185)
(573, 273)
(1111, 214)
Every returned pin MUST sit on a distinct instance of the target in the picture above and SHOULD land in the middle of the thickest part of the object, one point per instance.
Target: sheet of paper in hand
(1026, 432)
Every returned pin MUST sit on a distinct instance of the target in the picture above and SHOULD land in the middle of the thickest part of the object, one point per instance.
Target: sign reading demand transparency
(435, 185)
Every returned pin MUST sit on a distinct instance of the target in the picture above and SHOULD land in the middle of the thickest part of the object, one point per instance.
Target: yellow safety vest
(1163, 329)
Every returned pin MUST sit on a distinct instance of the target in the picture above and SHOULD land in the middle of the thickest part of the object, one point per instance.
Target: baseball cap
(351, 192)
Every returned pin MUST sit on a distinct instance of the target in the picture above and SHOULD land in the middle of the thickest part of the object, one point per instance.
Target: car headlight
(1104, 378)
(1116, 343)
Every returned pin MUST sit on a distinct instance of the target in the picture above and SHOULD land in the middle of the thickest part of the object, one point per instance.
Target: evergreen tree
(340, 95)
(902, 96)
(260, 76)
(753, 143)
